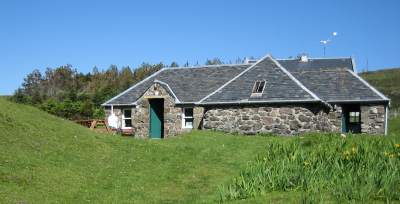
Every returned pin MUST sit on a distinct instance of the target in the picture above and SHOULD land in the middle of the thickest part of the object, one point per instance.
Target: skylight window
(258, 88)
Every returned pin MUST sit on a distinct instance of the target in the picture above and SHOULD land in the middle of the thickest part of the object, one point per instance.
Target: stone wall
(118, 112)
(373, 119)
(198, 113)
(172, 114)
(278, 119)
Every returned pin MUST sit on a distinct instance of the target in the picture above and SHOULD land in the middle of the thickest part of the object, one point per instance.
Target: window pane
(261, 87)
(258, 87)
(189, 122)
(127, 113)
(128, 123)
(354, 117)
(188, 112)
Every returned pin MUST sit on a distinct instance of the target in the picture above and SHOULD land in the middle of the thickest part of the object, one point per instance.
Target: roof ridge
(237, 76)
(207, 66)
(316, 58)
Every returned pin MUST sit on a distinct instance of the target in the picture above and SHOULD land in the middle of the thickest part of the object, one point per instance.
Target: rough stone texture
(172, 114)
(278, 119)
(140, 113)
(198, 113)
(373, 119)
(335, 117)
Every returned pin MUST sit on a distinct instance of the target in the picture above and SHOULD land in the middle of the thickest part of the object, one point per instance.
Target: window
(187, 118)
(354, 117)
(258, 88)
(127, 118)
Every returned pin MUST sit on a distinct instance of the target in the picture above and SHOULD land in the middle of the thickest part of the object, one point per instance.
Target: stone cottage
(281, 96)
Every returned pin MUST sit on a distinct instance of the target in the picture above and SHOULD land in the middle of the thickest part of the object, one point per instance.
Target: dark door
(156, 118)
(351, 121)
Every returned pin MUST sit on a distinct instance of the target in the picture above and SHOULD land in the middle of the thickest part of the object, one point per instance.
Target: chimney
(304, 58)
(248, 60)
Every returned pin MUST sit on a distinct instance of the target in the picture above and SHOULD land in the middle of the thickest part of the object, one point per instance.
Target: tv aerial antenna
(325, 43)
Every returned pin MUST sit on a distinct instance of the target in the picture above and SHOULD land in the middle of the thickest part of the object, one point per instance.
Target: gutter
(257, 102)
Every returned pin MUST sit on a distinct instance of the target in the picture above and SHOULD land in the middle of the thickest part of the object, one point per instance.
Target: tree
(65, 92)
(174, 64)
(214, 61)
(126, 78)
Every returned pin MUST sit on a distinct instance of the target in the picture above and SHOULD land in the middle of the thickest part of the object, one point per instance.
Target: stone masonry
(172, 114)
(373, 119)
(278, 119)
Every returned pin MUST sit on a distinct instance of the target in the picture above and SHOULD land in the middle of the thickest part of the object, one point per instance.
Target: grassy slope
(386, 81)
(46, 159)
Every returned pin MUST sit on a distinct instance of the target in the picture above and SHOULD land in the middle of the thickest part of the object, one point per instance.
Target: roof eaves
(120, 104)
(132, 87)
(259, 102)
(357, 100)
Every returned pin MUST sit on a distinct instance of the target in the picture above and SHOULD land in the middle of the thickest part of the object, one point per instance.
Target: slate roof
(324, 80)
(318, 64)
(188, 84)
(279, 86)
(332, 79)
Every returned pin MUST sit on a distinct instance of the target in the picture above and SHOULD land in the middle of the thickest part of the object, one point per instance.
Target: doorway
(156, 129)
(351, 118)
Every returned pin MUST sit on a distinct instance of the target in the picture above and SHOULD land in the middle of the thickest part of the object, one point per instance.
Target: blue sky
(40, 34)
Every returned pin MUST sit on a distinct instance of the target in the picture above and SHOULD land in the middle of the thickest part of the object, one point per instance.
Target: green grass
(386, 81)
(45, 159)
(323, 168)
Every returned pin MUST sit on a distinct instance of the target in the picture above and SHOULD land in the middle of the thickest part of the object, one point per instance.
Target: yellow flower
(354, 149)
(306, 163)
(391, 155)
(397, 145)
(386, 153)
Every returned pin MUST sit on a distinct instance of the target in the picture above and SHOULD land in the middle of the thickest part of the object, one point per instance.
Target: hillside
(45, 159)
(388, 82)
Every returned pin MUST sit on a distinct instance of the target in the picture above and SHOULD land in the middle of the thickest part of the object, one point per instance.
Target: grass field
(386, 81)
(45, 159)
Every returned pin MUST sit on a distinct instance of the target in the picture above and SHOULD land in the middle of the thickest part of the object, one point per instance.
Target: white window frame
(255, 94)
(184, 117)
(126, 118)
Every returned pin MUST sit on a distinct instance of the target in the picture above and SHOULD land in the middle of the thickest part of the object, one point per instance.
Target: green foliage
(386, 81)
(66, 93)
(214, 61)
(323, 167)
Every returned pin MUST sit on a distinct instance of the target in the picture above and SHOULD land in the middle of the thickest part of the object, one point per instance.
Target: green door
(156, 118)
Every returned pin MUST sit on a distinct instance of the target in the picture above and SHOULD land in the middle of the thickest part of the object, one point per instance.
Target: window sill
(256, 95)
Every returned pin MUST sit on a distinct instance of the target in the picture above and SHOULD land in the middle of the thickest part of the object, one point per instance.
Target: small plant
(357, 168)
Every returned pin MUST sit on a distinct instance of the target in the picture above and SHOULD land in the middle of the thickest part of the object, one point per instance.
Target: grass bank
(45, 159)
(323, 168)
